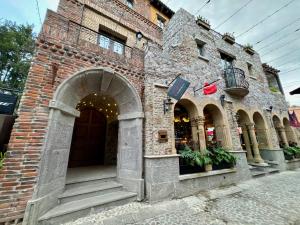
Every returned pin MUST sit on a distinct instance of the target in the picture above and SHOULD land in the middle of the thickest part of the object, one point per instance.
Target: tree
(16, 51)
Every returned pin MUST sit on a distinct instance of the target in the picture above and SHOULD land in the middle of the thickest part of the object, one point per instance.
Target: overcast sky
(286, 42)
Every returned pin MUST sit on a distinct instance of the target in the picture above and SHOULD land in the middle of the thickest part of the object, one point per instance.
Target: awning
(296, 91)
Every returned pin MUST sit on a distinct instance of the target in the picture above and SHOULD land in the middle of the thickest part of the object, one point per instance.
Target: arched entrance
(290, 135)
(58, 140)
(248, 137)
(261, 131)
(216, 132)
(95, 134)
(185, 125)
(280, 131)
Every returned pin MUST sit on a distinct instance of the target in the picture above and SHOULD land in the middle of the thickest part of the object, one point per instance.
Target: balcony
(235, 82)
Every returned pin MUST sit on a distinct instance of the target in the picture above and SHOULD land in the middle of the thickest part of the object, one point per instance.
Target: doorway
(95, 134)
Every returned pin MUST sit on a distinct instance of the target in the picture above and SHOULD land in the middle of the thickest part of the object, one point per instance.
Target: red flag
(209, 89)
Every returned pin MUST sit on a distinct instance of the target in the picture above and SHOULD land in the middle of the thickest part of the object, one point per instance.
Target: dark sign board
(7, 103)
(179, 88)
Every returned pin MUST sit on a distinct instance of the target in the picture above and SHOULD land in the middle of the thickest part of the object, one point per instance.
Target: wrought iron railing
(235, 78)
(76, 34)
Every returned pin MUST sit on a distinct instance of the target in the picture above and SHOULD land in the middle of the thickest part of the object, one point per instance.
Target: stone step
(85, 191)
(273, 170)
(258, 173)
(71, 211)
(80, 181)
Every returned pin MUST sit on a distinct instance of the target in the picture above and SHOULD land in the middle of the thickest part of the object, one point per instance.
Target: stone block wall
(57, 57)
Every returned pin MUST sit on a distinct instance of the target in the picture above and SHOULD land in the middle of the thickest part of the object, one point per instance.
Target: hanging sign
(209, 89)
(7, 103)
(179, 88)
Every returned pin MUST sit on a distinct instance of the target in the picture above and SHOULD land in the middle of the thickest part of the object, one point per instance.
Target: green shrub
(220, 155)
(274, 89)
(195, 158)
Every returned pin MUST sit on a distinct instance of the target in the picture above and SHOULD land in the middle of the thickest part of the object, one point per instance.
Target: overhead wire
(289, 53)
(277, 40)
(276, 32)
(265, 18)
(237, 11)
(284, 72)
(288, 62)
(275, 49)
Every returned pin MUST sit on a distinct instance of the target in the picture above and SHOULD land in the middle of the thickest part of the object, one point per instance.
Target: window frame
(115, 44)
(160, 20)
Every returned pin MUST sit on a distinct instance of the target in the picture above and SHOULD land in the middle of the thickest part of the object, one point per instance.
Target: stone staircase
(267, 168)
(87, 195)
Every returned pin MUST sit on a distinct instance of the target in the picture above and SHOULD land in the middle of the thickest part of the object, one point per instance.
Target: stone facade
(69, 65)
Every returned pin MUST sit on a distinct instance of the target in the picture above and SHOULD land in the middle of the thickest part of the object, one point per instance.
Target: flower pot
(249, 50)
(203, 24)
(229, 39)
(208, 167)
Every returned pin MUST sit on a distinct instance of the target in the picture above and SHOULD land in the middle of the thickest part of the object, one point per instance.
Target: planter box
(203, 24)
(229, 39)
(249, 50)
(186, 169)
(222, 166)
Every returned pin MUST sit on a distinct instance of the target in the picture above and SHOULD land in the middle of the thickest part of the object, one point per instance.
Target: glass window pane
(104, 42)
(118, 48)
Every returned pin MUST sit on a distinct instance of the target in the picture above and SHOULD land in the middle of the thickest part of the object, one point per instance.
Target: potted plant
(249, 49)
(229, 37)
(201, 21)
(222, 159)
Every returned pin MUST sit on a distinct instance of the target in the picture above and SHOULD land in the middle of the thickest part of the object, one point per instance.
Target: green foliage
(195, 158)
(274, 89)
(2, 156)
(220, 155)
(291, 152)
(231, 35)
(16, 51)
(201, 18)
(248, 46)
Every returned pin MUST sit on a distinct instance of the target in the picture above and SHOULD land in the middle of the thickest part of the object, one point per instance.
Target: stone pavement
(271, 200)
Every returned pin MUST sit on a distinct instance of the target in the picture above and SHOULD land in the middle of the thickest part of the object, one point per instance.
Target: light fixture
(222, 99)
(270, 109)
(167, 105)
(177, 119)
(186, 119)
(139, 35)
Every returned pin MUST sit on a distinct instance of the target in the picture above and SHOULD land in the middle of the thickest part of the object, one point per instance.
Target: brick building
(92, 132)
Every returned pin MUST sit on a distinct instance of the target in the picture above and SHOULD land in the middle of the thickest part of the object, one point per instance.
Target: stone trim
(160, 156)
(54, 104)
(206, 174)
(280, 150)
(237, 151)
(130, 116)
(292, 160)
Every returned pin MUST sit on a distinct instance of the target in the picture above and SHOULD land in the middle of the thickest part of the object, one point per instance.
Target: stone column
(201, 132)
(282, 134)
(257, 157)
(195, 136)
(247, 143)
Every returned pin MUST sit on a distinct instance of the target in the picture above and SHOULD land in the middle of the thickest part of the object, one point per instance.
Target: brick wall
(57, 46)
(117, 11)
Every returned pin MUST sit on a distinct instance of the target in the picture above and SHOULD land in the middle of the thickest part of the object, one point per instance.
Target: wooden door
(88, 142)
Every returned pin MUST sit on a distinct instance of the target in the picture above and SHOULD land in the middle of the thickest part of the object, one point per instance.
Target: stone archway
(290, 135)
(248, 137)
(280, 131)
(56, 149)
(215, 128)
(261, 131)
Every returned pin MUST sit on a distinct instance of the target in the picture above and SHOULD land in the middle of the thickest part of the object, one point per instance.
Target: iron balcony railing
(235, 78)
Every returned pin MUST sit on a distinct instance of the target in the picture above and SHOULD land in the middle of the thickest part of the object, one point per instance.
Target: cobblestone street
(268, 200)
